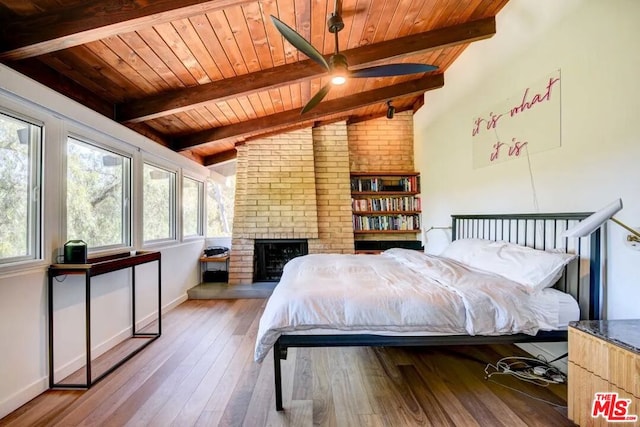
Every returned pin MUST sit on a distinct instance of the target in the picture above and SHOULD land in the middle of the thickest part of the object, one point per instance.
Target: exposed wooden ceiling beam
(220, 157)
(189, 98)
(49, 77)
(360, 119)
(93, 20)
(146, 130)
(293, 117)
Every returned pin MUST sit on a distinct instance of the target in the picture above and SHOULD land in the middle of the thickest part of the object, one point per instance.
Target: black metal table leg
(87, 325)
(50, 304)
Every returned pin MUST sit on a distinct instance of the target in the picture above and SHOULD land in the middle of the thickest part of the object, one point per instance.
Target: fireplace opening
(270, 256)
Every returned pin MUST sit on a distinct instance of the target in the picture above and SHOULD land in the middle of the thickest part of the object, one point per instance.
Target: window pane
(220, 199)
(20, 166)
(97, 195)
(159, 203)
(191, 207)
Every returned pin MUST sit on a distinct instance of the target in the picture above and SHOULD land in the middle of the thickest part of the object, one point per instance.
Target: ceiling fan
(337, 65)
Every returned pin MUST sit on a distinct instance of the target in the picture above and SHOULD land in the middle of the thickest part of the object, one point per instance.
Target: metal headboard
(582, 279)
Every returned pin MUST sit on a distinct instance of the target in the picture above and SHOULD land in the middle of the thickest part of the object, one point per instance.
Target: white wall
(595, 45)
(23, 289)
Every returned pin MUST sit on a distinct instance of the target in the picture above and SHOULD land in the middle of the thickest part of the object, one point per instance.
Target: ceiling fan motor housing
(338, 62)
(335, 23)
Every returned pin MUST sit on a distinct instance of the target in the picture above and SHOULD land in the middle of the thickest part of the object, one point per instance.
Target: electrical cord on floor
(532, 370)
(528, 395)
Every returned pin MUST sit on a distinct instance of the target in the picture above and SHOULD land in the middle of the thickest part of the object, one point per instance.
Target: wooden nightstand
(604, 357)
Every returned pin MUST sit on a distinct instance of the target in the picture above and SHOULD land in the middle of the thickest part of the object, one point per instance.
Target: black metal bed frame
(540, 231)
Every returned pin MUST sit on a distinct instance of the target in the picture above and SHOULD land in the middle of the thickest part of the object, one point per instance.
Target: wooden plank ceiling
(202, 76)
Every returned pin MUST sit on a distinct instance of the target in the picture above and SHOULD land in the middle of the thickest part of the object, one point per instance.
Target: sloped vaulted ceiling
(201, 76)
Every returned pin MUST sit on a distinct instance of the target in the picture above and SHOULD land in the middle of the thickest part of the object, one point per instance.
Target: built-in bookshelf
(385, 202)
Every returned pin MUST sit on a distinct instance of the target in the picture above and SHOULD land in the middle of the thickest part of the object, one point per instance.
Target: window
(98, 188)
(191, 207)
(220, 200)
(159, 207)
(20, 180)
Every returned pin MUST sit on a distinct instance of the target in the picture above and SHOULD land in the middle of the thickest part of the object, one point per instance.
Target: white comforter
(397, 291)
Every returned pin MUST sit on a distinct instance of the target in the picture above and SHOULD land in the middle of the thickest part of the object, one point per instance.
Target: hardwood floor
(201, 372)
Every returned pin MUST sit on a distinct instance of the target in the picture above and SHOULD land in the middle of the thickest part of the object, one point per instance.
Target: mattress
(564, 304)
(403, 292)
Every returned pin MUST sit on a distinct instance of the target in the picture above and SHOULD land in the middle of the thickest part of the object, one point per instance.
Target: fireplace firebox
(270, 256)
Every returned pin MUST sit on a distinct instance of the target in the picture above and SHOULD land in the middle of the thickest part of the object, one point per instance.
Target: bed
(407, 298)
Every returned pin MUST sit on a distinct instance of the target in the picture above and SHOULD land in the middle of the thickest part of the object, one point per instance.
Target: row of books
(407, 203)
(411, 183)
(386, 222)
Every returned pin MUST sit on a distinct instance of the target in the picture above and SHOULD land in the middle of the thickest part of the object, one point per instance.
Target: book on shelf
(373, 184)
(380, 204)
(399, 222)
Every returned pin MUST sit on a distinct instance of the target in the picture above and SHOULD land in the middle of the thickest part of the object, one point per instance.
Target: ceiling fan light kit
(337, 65)
(339, 69)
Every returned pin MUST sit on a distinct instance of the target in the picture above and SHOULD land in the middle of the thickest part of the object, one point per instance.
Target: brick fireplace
(296, 185)
(270, 256)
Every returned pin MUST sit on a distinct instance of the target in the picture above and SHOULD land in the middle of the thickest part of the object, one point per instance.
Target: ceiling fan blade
(316, 98)
(299, 42)
(391, 70)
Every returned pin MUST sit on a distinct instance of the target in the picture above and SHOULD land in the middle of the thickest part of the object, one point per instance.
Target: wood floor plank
(299, 414)
(409, 408)
(347, 386)
(262, 399)
(193, 408)
(42, 412)
(436, 414)
(201, 372)
(393, 405)
(303, 385)
(132, 394)
(231, 398)
(473, 395)
(198, 363)
(324, 411)
(105, 397)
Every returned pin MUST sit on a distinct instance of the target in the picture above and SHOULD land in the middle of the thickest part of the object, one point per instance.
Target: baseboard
(18, 399)
(176, 302)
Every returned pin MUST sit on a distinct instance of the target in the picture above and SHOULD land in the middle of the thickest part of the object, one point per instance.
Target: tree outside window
(220, 203)
(98, 188)
(192, 197)
(159, 204)
(20, 180)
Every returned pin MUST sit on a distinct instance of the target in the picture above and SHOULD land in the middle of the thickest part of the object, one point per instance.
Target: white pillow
(533, 268)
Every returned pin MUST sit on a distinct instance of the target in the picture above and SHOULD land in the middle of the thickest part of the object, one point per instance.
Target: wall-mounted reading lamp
(594, 221)
(425, 232)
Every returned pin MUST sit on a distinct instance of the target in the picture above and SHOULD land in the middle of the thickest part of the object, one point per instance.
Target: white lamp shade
(592, 222)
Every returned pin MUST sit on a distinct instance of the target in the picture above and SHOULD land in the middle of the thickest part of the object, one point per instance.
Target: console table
(95, 267)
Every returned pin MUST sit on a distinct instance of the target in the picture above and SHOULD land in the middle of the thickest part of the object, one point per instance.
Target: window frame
(200, 226)
(111, 146)
(35, 211)
(212, 181)
(174, 203)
